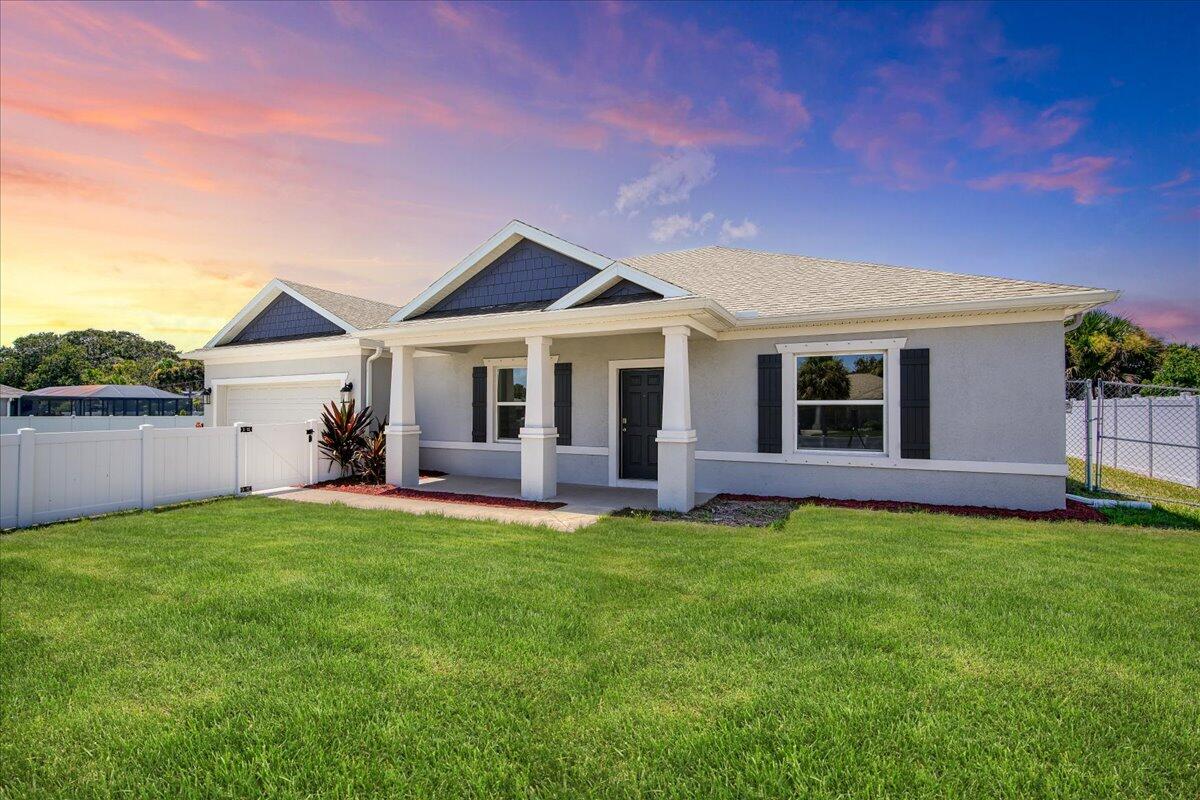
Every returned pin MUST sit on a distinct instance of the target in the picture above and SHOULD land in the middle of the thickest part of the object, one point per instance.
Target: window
(510, 402)
(840, 402)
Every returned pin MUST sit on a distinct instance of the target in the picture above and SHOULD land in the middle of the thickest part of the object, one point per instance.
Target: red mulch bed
(1075, 511)
(355, 486)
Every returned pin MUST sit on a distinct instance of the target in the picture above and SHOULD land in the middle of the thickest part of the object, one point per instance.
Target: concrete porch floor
(584, 504)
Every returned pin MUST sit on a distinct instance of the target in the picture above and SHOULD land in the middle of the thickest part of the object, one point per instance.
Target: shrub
(344, 434)
(371, 461)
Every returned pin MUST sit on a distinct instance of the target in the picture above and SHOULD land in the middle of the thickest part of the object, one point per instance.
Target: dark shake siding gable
(624, 291)
(528, 276)
(284, 319)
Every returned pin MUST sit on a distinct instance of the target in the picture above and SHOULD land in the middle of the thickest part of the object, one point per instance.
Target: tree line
(94, 356)
(1112, 348)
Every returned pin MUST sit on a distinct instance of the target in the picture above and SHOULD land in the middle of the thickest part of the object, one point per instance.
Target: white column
(539, 437)
(403, 433)
(677, 439)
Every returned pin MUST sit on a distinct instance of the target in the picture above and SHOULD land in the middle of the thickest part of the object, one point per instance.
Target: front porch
(528, 457)
(584, 504)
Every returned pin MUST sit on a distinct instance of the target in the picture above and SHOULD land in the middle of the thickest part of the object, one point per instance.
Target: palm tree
(823, 378)
(1111, 348)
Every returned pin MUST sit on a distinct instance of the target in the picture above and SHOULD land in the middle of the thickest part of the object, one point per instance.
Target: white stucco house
(713, 369)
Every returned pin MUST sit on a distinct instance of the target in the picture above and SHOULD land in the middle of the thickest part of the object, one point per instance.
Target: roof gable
(285, 318)
(490, 251)
(528, 275)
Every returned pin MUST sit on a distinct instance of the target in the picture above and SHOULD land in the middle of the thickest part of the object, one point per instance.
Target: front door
(641, 417)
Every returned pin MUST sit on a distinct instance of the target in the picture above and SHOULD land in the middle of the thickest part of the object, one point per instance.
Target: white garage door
(269, 403)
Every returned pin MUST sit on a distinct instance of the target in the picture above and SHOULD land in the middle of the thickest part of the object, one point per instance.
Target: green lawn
(258, 647)
(1175, 505)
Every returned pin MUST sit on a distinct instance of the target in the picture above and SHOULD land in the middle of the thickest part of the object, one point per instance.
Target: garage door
(269, 403)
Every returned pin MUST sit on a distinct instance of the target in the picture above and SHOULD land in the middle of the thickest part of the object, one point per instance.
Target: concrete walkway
(584, 504)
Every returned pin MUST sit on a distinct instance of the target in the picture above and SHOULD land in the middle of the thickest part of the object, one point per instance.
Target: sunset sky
(160, 163)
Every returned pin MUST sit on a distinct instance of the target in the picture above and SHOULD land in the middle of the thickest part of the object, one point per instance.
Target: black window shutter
(914, 403)
(770, 403)
(562, 402)
(479, 404)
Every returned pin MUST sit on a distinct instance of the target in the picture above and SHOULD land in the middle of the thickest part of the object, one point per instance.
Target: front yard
(256, 647)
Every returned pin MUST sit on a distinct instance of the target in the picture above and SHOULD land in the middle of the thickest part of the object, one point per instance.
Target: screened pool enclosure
(103, 401)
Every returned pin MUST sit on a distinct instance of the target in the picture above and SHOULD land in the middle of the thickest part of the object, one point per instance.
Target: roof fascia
(279, 351)
(264, 298)
(610, 276)
(1069, 302)
(485, 254)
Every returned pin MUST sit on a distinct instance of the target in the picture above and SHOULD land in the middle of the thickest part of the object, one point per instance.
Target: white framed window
(841, 398)
(840, 402)
(507, 379)
(510, 402)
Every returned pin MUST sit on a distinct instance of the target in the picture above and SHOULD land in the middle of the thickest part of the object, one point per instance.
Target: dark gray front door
(641, 417)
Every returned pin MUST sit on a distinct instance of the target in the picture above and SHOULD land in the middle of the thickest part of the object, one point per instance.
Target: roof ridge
(298, 285)
(870, 264)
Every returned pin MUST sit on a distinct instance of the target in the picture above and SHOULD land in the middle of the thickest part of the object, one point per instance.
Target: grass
(1122, 484)
(262, 648)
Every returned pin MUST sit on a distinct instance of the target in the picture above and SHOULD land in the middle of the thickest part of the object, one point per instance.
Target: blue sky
(199, 149)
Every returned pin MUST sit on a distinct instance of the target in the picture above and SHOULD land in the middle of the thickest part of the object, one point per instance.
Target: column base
(403, 455)
(539, 463)
(676, 470)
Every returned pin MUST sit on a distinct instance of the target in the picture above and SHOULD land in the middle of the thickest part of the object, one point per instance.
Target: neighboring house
(8, 400)
(101, 400)
(711, 369)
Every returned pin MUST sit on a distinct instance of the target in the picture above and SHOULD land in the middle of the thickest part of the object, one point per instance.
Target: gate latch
(247, 429)
(310, 434)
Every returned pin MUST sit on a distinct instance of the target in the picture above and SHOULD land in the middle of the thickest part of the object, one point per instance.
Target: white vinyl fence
(1127, 427)
(72, 423)
(46, 477)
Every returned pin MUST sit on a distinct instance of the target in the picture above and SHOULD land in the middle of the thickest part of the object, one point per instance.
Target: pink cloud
(1185, 177)
(1175, 322)
(1055, 126)
(1083, 176)
(350, 14)
(671, 125)
(111, 34)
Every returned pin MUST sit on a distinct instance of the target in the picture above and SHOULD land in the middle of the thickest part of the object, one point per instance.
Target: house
(102, 400)
(8, 400)
(710, 369)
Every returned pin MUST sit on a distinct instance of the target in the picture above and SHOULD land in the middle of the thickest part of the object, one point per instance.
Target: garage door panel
(265, 404)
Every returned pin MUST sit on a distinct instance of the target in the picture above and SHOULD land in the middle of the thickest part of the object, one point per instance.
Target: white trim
(931, 465)
(329, 346)
(891, 394)
(846, 347)
(260, 301)
(614, 416)
(513, 447)
(479, 258)
(516, 361)
(611, 276)
(314, 377)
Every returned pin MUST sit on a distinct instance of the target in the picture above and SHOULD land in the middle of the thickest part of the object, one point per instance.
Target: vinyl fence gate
(1144, 429)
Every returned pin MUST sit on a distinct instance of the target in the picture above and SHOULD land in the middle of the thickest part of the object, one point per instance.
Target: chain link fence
(1120, 434)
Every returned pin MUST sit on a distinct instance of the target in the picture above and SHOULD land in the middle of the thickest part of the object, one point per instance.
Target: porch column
(677, 439)
(539, 437)
(403, 433)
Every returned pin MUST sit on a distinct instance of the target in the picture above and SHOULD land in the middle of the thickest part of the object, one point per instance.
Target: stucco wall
(996, 390)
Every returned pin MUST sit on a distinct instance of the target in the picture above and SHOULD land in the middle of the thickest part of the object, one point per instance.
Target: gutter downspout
(378, 352)
(1073, 322)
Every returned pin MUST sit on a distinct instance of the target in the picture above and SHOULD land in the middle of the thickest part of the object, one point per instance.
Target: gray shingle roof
(780, 284)
(358, 311)
(7, 392)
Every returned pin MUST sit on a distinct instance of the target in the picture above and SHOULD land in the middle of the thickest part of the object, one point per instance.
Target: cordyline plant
(344, 434)
(371, 461)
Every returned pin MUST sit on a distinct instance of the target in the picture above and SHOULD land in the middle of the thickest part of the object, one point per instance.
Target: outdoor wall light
(206, 396)
(346, 391)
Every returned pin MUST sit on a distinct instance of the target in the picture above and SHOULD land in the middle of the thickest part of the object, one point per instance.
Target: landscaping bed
(355, 485)
(763, 510)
